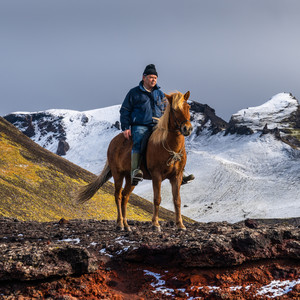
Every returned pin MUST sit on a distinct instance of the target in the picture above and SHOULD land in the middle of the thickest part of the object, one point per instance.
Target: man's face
(149, 81)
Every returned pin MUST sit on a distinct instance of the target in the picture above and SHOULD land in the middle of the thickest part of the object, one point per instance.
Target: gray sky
(87, 54)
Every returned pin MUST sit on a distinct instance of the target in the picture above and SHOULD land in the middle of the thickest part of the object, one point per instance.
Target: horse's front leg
(176, 183)
(156, 183)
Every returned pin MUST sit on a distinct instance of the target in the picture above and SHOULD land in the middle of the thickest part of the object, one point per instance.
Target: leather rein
(177, 122)
(175, 156)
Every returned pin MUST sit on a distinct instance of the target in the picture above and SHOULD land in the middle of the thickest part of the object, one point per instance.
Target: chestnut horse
(165, 157)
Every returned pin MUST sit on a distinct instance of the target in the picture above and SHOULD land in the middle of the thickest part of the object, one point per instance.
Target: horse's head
(180, 112)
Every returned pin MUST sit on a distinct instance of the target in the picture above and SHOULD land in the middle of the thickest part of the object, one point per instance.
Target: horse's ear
(169, 98)
(186, 95)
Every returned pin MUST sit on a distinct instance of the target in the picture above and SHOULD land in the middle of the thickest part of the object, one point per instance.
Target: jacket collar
(141, 86)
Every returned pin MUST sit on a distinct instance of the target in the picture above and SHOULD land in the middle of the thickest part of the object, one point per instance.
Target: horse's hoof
(156, 228)
(181, 228)
(128, 228)
(120, 228)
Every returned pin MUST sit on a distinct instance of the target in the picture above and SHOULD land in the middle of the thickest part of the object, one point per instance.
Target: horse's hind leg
(156, 183)
(118, 198)
(125, 197)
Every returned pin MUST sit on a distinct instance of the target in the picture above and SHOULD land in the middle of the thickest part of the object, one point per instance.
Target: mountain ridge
(252, 173)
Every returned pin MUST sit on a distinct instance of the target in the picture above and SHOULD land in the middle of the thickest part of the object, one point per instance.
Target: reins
(174, 156)
(178, 125)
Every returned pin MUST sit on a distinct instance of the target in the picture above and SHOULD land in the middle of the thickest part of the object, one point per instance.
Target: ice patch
(69, 240)
(277, 288)
(159, 285)
(104, 252)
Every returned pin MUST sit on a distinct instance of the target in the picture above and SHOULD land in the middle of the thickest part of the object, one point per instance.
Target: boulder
(30, 261)
(62, 148)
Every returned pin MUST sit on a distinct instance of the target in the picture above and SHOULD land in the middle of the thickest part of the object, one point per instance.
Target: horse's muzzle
(186, 129)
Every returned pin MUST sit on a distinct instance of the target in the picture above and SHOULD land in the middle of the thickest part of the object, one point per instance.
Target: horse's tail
(88, 191)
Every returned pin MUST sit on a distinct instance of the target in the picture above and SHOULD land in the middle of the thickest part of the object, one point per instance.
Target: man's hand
(127, 133)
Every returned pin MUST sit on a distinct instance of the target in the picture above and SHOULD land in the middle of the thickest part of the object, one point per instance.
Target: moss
(295, 133)
(38, 190)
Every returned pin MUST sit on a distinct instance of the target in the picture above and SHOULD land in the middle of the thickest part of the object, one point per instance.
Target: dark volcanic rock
(53, 260)
(30, 132)
(84, 119)
(216, 246)
(32, 250)
(238, 129)
(275, 131)
(62, 148)
(31, 261)
(216, 124)
(117, 125)
(43, 123)
(251, 223)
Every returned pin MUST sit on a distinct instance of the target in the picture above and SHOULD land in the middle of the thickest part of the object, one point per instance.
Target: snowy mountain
(248, 168)
(275, 112)
(280, 115)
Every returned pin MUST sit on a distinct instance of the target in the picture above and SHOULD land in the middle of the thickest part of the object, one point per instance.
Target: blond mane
(160, 132)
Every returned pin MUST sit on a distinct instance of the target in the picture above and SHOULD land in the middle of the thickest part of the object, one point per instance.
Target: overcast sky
(87, 54)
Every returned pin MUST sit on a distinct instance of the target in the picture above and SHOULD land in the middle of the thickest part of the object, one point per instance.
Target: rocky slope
(80, 259)
(36, 184)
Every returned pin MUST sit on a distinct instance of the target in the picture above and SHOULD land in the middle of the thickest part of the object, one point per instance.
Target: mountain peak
(279, 115)
(275, 113)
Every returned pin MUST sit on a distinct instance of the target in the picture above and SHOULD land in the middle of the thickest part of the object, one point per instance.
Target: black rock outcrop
(43, 123)
(33, 250)
(215, 124)
(63, 147)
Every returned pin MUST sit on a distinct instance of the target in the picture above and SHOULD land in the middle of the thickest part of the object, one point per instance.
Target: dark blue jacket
(140, 106)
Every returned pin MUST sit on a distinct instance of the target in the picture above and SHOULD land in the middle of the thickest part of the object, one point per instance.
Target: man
(141, 105)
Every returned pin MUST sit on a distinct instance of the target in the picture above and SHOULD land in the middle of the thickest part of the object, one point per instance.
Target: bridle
(175, 156)
(177, 122)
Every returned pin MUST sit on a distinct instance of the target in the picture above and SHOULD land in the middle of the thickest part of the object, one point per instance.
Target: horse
(165, 159)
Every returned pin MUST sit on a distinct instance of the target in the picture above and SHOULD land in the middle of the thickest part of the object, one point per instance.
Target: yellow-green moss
(42, 192)
(295, 133)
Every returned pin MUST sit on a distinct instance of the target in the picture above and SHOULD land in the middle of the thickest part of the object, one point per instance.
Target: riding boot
(136, 173)
(187, 179)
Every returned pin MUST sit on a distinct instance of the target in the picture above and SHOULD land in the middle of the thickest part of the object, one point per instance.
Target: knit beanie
(150, 70)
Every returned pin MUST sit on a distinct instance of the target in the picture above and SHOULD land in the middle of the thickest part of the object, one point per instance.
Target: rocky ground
(89, 259)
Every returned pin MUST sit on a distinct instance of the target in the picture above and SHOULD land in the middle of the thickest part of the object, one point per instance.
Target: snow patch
(278, 288)
(104, 252)
(159, 284)
(69, 240)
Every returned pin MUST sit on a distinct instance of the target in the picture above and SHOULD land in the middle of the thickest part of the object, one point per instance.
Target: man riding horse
(138, 115)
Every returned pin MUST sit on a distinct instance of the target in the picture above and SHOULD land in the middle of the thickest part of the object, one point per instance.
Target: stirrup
(137, 176)
(187, 179)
